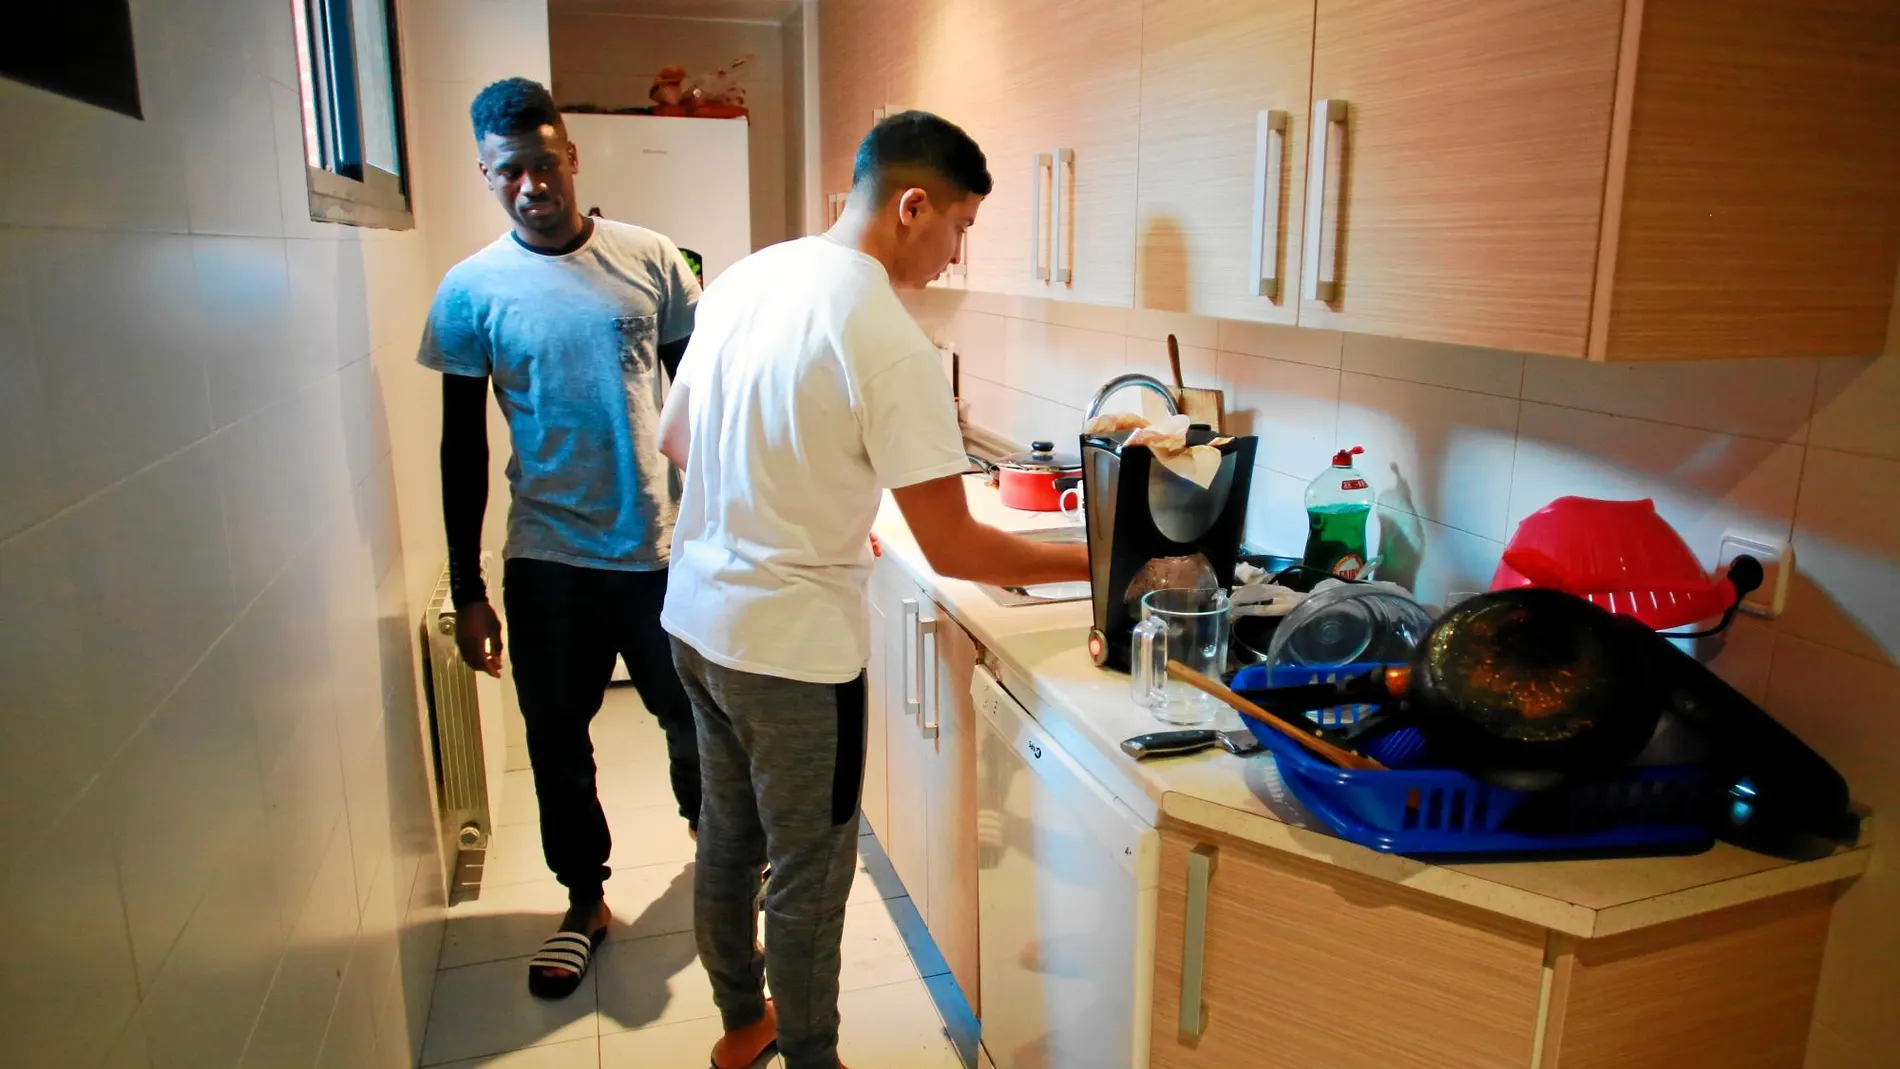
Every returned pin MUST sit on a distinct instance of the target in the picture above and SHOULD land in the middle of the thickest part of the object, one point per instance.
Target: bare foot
(584, 919)
(739, 1049)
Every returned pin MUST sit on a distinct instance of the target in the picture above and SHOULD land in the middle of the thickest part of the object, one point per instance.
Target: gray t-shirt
(572, 344)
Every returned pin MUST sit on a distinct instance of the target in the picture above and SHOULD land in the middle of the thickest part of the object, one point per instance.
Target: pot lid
(1042, 456)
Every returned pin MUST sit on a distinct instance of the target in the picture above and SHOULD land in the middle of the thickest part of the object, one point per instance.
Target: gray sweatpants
(781, 766)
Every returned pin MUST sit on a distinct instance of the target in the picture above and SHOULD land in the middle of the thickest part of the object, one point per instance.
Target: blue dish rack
(1659, 809)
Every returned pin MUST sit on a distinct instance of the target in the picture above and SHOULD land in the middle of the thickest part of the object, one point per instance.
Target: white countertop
(1041, 652)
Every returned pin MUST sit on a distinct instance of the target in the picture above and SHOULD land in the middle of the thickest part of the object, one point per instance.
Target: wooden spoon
(1340, 756)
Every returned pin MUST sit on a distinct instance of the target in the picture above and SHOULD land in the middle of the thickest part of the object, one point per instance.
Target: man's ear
(573, 159)
(910, 204)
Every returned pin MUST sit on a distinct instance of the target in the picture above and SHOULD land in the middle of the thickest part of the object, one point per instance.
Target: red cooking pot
(1028, 481)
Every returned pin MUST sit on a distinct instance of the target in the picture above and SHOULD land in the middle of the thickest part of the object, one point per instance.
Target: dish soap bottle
(1338, 503)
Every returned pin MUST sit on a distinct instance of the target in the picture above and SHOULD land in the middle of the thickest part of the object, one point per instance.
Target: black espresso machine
(1149, 528)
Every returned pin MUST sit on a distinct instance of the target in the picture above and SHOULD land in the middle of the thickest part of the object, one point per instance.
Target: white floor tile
(514, 856)
(632, 786)
(506, 921)
(685, 1044)
(651, 900)
(894, 1027)
(577, 1054)
(486, 1009)
(876, 880)
(518, 805)
(873, 953)
(655, 981)
(512, 920)
(652, 835)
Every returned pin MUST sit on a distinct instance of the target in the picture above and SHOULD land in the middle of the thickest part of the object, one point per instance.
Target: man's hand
(478, 636)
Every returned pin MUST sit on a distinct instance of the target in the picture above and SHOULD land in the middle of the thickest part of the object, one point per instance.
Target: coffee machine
(1149, 527)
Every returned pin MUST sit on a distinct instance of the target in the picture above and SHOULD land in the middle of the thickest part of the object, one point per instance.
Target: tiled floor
(646, 1003)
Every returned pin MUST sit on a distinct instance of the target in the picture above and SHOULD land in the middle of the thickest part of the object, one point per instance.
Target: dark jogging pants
(565, 627)
(781, 766)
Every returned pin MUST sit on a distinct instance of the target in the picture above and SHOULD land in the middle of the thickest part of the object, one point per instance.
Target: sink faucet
(1146, 382)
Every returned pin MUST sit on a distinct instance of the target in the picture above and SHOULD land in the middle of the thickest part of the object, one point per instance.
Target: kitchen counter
(1039, 652)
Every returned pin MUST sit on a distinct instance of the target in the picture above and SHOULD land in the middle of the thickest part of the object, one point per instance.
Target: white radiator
(465, 728)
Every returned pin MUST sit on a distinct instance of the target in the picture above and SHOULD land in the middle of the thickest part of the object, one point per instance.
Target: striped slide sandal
(571, 951)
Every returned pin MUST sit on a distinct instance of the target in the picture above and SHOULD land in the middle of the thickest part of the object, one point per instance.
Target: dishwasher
(1066, 891)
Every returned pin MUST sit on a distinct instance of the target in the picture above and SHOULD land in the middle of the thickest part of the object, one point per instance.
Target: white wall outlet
(1777, 568)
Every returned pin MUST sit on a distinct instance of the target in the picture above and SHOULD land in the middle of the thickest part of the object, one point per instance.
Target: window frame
(348, 190)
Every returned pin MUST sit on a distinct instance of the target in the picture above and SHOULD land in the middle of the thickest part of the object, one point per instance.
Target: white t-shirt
(810, 391)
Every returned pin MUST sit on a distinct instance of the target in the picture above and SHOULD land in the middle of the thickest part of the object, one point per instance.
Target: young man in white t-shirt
(807, 391)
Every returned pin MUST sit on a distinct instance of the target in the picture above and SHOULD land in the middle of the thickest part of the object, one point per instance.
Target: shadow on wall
(1162, 272)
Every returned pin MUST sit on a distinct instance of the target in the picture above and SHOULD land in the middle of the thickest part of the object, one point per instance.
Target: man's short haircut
(916, 148)
(513, 106)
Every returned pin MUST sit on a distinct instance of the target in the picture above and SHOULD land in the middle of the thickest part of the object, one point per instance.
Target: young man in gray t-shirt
(575, 321)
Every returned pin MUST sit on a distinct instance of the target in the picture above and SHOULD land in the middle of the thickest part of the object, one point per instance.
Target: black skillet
(1522, 688)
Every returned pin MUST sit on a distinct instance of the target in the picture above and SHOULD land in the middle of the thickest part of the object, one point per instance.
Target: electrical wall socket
(1777, 567)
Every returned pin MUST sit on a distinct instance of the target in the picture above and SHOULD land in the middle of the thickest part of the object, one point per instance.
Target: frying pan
(1523, 688)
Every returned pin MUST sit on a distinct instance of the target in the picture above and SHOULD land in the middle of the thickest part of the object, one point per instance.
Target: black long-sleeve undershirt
(465, 482)
(464, 458)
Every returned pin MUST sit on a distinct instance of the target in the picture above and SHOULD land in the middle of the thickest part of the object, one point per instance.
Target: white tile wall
(1464, 443)
(214, 824)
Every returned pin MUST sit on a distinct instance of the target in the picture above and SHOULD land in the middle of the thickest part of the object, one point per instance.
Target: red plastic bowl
(1620, 555)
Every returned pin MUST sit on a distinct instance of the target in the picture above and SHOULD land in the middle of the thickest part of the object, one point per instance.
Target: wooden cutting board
(1199, 404)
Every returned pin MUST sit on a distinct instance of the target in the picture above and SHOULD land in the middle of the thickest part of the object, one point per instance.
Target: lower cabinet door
(878, 678)
(911, 672)
(1264, 962)
(952, 915)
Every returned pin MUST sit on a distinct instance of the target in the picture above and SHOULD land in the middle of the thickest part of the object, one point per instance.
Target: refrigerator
(689, 179)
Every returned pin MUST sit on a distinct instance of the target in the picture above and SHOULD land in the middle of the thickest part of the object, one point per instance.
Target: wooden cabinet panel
(1758, 207)
(878, 681)
(952, 916)
(1734, 988)
(1309, 967)
(854, 66)
(1029, 78)
(1208, 69)
(1468, 196)
(907, 754)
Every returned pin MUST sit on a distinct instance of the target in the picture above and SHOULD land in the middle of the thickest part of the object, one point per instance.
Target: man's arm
(676, 431)
(958, 547)
(670, 353)
(464, 501)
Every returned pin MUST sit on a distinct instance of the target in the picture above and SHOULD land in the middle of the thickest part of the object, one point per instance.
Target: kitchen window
(348, 65)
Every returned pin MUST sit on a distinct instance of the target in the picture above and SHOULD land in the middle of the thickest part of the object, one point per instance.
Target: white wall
(609, 61)
(215, 827)
(1463, 443)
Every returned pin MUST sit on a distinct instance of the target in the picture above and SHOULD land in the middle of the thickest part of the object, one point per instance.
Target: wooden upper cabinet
(854, 68)
(1224, 112)
(1457, 186)
(1754, 196)
(1617, 179)
(1028, 79)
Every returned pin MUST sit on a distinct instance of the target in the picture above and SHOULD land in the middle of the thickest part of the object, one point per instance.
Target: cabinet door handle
(1318, 269)
(926, 655)
(1194, 942)
(1269, 167)
(1058, 207)
(1038, 266)
(913, 700)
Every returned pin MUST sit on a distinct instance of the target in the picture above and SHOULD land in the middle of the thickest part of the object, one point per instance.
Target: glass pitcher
(1190, 626)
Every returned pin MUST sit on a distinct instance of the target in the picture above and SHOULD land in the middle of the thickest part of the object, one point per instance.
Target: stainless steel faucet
(1135, 378)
